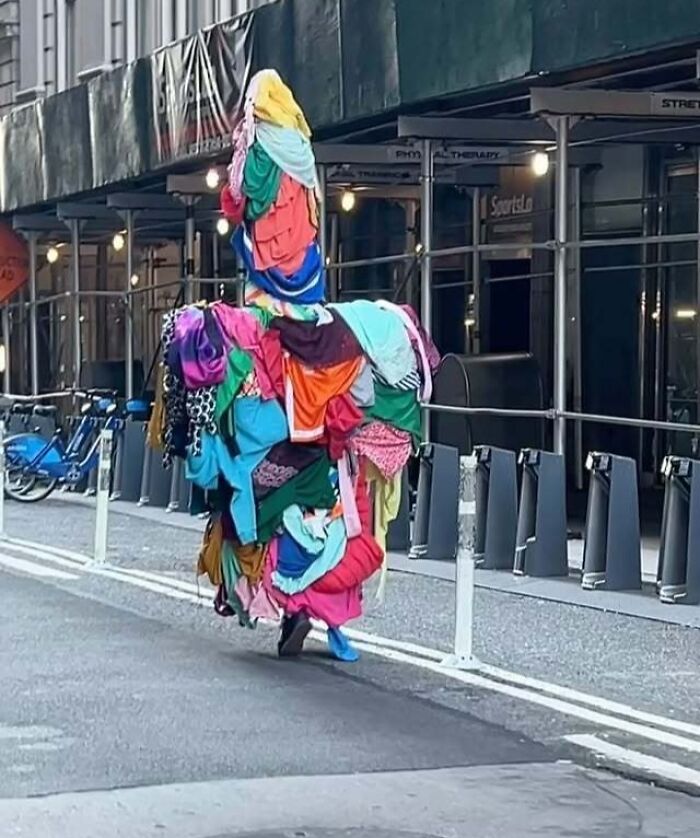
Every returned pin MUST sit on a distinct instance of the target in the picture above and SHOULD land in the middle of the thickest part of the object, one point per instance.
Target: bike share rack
(496, 507)
(434, 528)
(612, 547)
(678, 578)
(541, 546)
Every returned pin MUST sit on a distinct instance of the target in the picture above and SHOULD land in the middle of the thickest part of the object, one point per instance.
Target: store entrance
(508, 305)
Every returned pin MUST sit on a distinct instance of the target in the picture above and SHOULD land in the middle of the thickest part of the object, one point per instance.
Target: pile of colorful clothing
(295, 418)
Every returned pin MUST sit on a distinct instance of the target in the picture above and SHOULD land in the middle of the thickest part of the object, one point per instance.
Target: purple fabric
(431, 350)
(199, 350)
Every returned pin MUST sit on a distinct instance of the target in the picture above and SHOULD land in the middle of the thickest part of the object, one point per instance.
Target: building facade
(102, 99)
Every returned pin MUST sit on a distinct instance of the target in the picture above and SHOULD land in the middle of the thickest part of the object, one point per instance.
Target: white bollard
(104, 469)
(463, 657)
(2, 478)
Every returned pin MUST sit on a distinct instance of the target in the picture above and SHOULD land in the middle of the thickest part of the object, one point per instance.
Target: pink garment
(353, 526)
(282, 236)
(333, 609)
(418, 346)
(243, 136)
(384, 445)
(256, 600)
(245, 330)
(431, 350)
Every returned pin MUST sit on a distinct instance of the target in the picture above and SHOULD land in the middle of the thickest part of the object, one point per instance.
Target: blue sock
(339, 646)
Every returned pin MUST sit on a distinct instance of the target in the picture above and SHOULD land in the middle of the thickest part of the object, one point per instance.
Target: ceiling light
(686, 314)
(134, 280)
(540, 163)
(213, 178)
(348, 200)
(118, 241)
(223, 226)
(52, 255)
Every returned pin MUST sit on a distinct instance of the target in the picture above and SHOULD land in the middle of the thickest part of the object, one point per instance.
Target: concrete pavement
(128, 708)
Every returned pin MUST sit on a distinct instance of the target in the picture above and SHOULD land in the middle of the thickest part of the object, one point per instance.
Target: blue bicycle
(35, 465)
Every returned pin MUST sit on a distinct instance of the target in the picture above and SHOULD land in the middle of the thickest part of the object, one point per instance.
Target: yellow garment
(251, 560)
(209, 560)
(275, 103)
(387, 501)
(154, 433)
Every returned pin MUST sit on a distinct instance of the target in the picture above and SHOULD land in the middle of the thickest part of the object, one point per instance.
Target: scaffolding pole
(426, 211)
(33, 316)
(75, 295)
(129, 319)
(189, 248)
(561, 209)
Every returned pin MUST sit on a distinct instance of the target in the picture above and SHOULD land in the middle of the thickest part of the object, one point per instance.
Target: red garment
(233, 210)
(343, 418)
(282, 236)
(363, 556)
(271, 350)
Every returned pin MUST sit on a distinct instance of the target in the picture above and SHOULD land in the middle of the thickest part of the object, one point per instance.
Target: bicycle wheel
(24, 486)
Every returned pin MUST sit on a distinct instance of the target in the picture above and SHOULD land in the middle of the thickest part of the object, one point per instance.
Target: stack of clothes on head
(295, 418)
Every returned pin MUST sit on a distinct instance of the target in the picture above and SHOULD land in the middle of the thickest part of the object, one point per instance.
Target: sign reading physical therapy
(14, 262)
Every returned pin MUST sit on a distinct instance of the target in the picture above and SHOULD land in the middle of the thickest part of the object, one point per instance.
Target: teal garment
(382, 336)
(261, 182)
(258, 426)
(289, 150)
(329, 558)
(231, 573)
(301, 531)
(203, 470)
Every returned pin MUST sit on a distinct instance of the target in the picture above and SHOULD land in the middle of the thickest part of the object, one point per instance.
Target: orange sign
(14, 262)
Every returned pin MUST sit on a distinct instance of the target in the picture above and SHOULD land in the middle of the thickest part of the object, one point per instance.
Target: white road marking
(634, 759)
(40, 570)
(30, 732)
(563, 700)
(555, 704)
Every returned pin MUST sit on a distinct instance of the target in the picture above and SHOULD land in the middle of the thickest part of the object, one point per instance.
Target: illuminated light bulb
(348, 200)
(118, 242)
(134, 280)
(52, 255)
(212, 178)
(223, 226)
(540, 163)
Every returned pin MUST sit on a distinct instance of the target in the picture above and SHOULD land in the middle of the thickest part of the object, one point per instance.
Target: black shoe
(294, 632)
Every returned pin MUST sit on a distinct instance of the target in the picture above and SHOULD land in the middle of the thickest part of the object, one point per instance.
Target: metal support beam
(561, 209)
(129, 313)
(33, 316)
(6, 382)
(476, 266)
(426, 207)
(323, 227)
(75, 300)
(189, 248)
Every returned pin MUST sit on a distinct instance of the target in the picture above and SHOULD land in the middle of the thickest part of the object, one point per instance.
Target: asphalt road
(126, 710)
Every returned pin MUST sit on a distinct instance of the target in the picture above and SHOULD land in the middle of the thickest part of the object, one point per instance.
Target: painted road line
(523, 687)
(634, 759)
(33, 569)
(59, 551)
(555, 704)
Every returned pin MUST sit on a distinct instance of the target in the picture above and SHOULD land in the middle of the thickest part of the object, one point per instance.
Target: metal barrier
(678, 575)
(612, 550)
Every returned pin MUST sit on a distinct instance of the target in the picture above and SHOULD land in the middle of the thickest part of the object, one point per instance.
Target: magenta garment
(198, 349)
(244, 330)
(431, 351)
(332, 609)
(384, 445)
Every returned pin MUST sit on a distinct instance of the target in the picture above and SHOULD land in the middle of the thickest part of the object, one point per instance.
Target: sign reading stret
(14, 262)
(675, 104)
